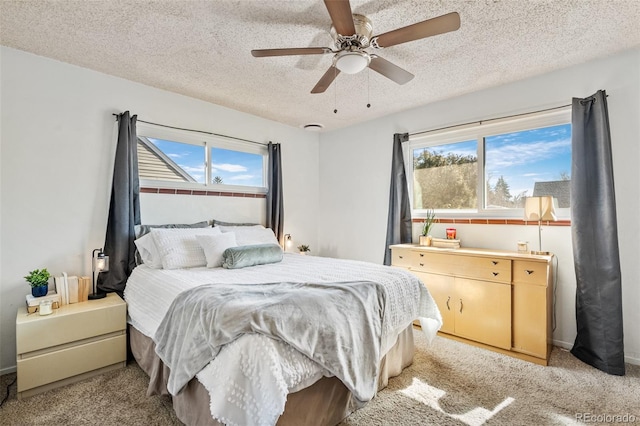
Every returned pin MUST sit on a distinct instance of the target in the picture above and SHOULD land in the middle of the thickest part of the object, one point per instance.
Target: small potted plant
(39, 281)
(429, 220)
(303, 248)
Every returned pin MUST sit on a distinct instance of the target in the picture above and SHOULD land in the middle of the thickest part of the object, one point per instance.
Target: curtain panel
(275, 203)
(599, 340)
(124, 209)
(399, 219)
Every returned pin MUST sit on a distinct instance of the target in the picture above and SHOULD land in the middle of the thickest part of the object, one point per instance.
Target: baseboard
(7, 370)
(568, 346)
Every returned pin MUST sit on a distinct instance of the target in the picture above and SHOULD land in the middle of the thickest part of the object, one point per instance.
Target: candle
(451, 233)
(45, 307)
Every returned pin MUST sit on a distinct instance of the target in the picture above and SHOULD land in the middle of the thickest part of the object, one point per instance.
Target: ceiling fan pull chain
(368, 88)
(335, 91)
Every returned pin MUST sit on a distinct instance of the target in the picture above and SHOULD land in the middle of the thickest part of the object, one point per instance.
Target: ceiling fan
(352, 35)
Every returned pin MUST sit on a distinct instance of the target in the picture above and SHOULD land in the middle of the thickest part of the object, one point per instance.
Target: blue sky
(523, 158)
(234, 167)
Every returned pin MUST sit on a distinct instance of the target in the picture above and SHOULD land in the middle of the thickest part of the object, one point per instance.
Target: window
(182, 159)
(489, 168)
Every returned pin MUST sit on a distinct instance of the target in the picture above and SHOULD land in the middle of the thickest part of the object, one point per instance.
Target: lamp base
(540, 253)
(96, 296)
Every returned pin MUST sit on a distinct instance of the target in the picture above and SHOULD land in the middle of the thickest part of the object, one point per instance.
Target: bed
(257, 378)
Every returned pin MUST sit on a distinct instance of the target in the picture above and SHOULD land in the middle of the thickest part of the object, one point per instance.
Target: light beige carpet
(449, 383)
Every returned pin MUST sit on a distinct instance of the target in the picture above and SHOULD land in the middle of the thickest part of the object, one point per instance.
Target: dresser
(498, 300)
(75, 342)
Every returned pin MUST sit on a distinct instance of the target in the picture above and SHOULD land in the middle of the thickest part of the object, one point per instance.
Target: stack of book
(72, 289)
(445, 243)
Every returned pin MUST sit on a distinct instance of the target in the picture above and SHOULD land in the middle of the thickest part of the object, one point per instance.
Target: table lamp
(540, 208)
(99, 263)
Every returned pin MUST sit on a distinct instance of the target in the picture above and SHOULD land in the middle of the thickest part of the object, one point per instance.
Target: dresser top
(476, 252)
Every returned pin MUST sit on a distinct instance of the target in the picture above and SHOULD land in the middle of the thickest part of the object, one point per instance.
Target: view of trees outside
(514, 162)
(446, 176)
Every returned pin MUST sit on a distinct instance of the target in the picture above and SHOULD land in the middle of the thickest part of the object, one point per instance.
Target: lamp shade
(540, 208)
(101, 262)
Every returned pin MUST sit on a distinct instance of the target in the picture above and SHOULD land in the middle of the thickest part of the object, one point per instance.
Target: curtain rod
(489, 119)
(198, 131)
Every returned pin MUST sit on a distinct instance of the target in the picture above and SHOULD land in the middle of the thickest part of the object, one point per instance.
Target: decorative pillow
(179, 248)
(148, 252)
(249, 235)
(215, 245)
(258, 254)
(220, 223)
(141, 230)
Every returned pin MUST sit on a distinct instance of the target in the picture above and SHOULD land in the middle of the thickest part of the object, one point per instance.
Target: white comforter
(249, 380)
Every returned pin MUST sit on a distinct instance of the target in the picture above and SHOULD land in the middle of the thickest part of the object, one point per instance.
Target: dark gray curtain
(275, 205)
(399, 220)
(124, 209)
(599, 341)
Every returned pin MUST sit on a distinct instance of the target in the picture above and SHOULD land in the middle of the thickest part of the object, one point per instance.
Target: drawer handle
(401, 257)
(421, 254)
(448, 307)
(460, 305)
(495, 262)
(495, 274)
(422, 264)
(528, 271)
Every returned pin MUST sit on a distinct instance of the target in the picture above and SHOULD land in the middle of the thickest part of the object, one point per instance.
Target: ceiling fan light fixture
(351, 62)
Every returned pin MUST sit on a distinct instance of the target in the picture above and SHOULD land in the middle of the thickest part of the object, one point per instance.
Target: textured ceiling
(202, 48)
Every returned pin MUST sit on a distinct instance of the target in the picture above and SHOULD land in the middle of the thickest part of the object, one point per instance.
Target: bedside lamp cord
(8, 389)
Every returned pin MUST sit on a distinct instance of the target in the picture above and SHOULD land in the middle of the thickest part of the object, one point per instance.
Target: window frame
(207, 142)
(478, 131)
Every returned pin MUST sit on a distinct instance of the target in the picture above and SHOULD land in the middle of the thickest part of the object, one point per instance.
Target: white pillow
(179, 248)
(149, 252)
(248, 235)
(215, 245)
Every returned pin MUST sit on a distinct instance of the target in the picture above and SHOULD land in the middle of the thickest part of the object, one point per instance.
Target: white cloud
(232, 168)
(526, 153)
(241, 177)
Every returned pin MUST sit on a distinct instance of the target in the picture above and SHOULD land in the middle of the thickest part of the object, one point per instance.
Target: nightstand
(76, 341)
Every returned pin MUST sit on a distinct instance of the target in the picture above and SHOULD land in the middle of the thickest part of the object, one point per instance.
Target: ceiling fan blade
(326, 80)
(341, 16)
(430, 27)
(390, 70)
(261, 53)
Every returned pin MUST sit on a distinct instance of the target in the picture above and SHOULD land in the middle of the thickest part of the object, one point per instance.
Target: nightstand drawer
(530, 272)
(71, 323)
(51, 367)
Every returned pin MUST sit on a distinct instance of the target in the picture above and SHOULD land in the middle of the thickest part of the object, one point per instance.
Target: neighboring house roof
(560, 189)
(154, 164)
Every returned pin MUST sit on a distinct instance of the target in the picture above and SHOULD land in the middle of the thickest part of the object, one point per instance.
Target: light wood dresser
(75, 342)
(497, 300)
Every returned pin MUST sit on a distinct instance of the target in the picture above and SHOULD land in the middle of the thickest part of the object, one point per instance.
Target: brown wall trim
(149, 190)
(498, 222)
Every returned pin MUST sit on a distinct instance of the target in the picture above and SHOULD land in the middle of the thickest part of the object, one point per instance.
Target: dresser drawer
(402, 257)
(51, 367)
(71, 323)
(487, 269)
(528, 272)
(437, 263)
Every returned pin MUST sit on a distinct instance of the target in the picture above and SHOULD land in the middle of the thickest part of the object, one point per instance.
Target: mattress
(266, 376)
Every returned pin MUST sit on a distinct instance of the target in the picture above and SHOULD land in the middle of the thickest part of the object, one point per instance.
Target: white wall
(355, 166)
(57, 150)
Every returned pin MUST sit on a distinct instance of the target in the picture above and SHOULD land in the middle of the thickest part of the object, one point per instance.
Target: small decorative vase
(39, 291)
(425, 240)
